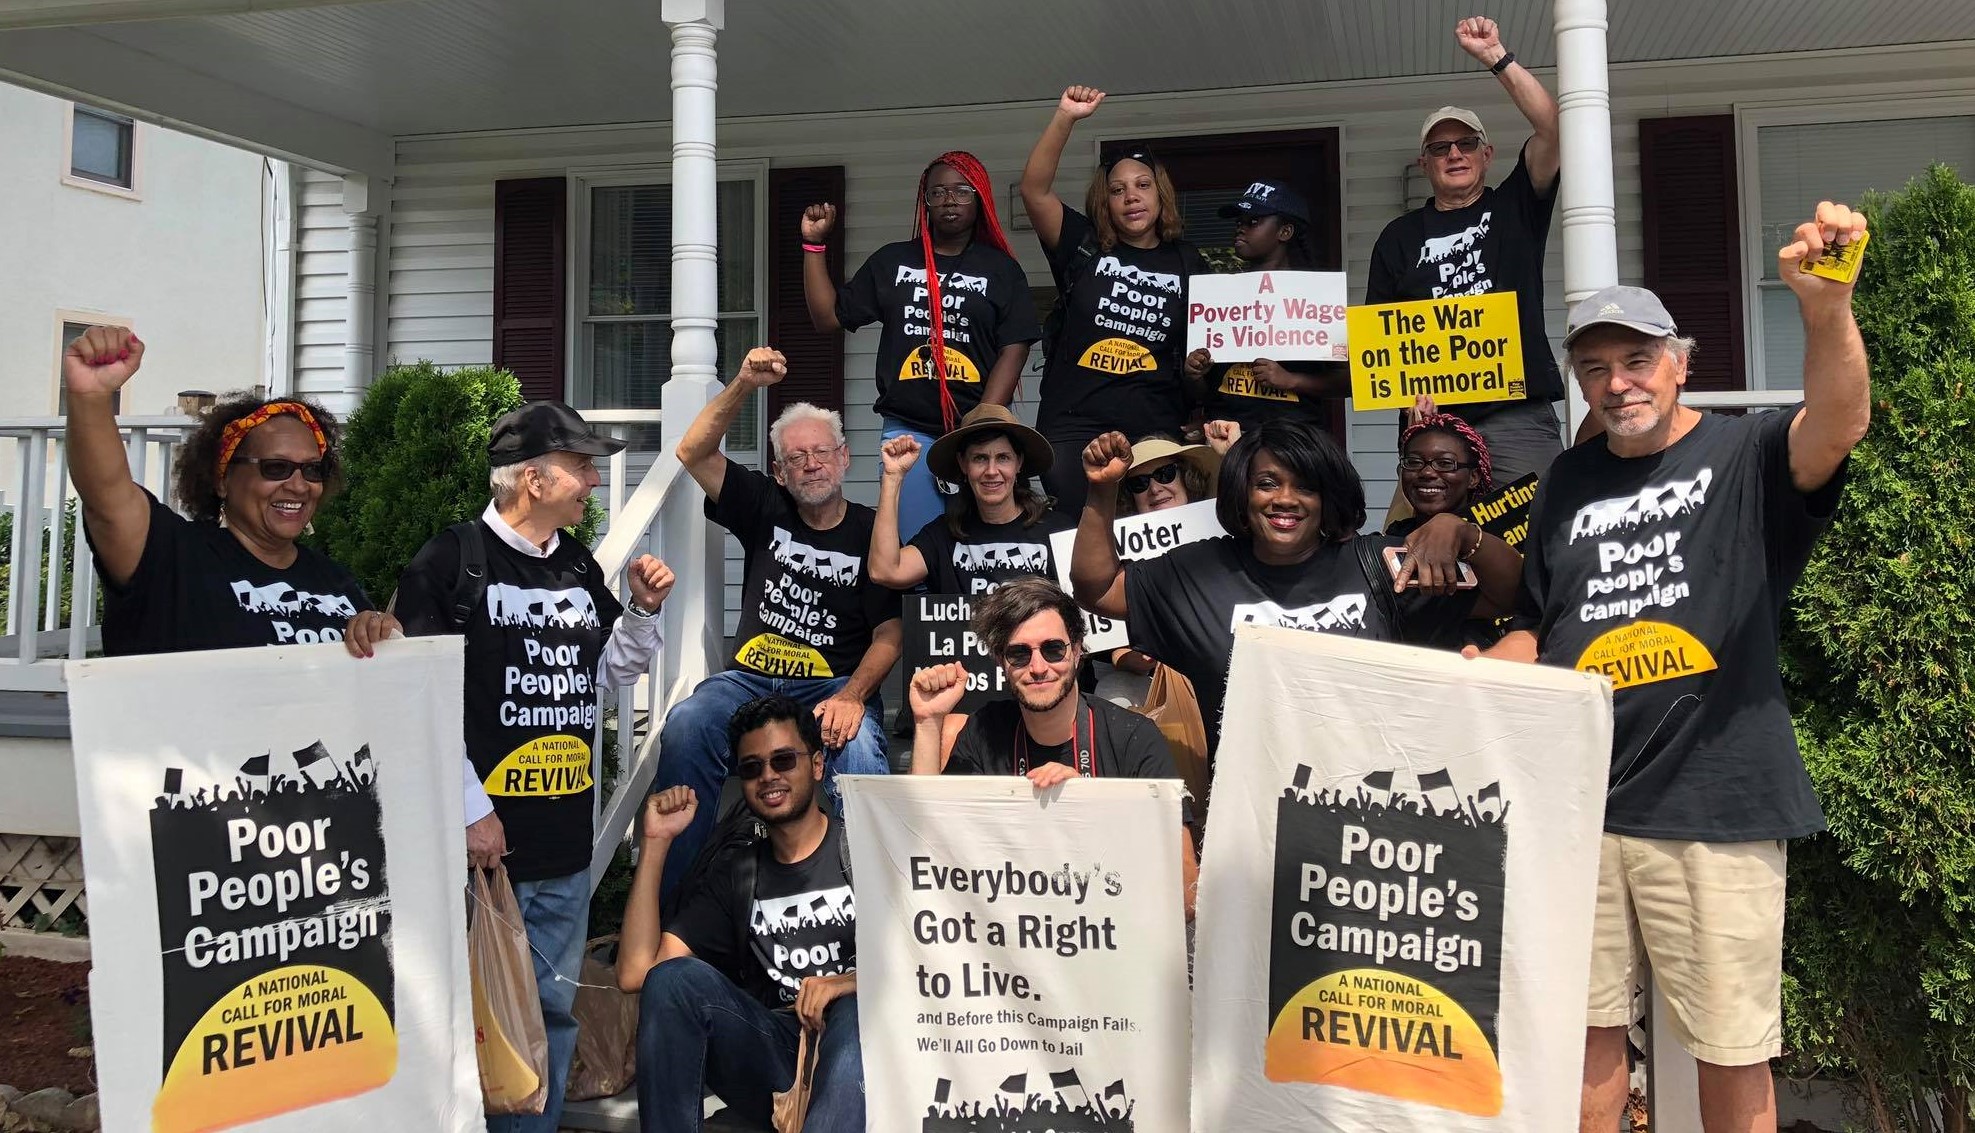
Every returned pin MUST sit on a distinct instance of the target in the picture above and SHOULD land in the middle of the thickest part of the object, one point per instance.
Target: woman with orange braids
(953, 337)
(250, 478)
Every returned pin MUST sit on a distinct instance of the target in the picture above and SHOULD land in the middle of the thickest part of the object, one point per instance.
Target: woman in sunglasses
(950, 340)
(250, 478)
(1115, 340)
(1163, 474)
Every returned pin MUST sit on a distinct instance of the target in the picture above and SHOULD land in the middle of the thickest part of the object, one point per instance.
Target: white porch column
(1590, 220)
(360, 316)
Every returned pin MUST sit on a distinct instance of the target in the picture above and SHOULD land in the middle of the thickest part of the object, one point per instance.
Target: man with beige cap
(1471, 239)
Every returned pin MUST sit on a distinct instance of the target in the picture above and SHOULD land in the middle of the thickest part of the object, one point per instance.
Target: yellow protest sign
(1463, 349)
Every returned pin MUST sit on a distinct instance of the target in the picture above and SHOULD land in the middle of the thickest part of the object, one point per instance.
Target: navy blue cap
(1268, 198)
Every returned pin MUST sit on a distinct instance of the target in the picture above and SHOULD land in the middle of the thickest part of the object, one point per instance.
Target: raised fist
(668, 813)
(101, 360)
(650, 581)
(1107, 458)
(900, 454)
(936, 690)
(1479, 37)
(1834, 226)
(818, 221)
(1079, 102)
(1198, 362)
(763, 367)
(1221, 435)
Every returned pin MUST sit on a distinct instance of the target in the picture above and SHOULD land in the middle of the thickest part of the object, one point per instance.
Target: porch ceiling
(395, 67)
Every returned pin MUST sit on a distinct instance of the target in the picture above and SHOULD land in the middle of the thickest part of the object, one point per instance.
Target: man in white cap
(1471, 239)
(1661, 554)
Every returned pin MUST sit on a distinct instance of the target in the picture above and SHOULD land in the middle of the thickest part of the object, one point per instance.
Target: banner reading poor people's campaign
(1415, 890)
(1021, 956)
(274, 868)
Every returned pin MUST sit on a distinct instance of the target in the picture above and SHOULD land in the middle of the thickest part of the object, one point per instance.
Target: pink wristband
(815, 247)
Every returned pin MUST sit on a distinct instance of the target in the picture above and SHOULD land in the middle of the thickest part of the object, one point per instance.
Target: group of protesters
(1705, 782)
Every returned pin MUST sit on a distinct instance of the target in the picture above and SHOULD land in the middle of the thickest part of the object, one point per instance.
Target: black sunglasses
(277, 468)
(782, 761)
(1165, 474)
(1052, 651)
(1467, 145)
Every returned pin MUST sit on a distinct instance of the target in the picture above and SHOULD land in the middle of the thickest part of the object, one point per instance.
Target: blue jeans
(692, 751)
(556, 913)
(919, 498)
(697, 1031)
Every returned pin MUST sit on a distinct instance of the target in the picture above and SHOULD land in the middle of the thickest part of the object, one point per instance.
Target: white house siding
(438, 247)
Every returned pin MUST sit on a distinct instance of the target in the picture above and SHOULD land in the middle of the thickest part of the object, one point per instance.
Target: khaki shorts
(1709, 916)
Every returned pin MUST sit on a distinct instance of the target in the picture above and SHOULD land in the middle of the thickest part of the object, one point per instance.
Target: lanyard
(1083, 736)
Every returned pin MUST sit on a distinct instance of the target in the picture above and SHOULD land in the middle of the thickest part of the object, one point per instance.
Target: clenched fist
(936, 690)
(1107, 458)
(668, 813)
(763, 367)
(1834, 226)
(900, 454)
(101, 360)
(1197, 363)
(650, 581)
(818, 221)
(1079, 102)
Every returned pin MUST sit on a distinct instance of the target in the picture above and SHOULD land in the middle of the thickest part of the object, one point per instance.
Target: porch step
(620, 1115)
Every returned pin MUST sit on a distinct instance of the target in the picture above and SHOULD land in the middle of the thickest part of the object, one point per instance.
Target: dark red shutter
(531, 263)
(1693, 239)
(815, 357)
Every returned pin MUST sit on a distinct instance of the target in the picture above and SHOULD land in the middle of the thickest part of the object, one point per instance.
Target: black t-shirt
(533, 647)
(808, 606)
(1478, 632)
(985, 295)
(800, 919)
(1232, 393)
(1126, 745)
(196, 587)
(1118, 361)
(1668, 573)
(989, 554)
(1495, 244)
(1184, 606)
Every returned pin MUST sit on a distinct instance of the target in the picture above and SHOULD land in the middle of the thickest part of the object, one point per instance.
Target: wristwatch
(1502, 64)
(636, 610)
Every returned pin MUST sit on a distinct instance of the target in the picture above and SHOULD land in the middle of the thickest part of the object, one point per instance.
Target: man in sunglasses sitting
(763, 946)
(1049, 731)
(1471, 239)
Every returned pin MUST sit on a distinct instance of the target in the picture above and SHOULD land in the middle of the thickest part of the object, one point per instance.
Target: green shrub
(1880, 658)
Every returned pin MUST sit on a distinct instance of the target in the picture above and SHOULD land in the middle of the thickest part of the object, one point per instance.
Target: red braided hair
(1449, 423)
(987, 227)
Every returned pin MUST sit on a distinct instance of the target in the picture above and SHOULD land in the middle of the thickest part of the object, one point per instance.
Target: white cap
(1466, 118)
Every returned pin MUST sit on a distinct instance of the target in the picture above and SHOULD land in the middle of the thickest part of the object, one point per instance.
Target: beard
(1045, 697)
(1631, 420)
(802, 800)
(815, 495)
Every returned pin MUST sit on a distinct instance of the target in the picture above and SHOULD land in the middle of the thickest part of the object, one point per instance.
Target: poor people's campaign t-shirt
(1234, 393)
(1668, 574)
(534, 644)
(808, 606)
(985, 297)
(196, 587)
(986, 555)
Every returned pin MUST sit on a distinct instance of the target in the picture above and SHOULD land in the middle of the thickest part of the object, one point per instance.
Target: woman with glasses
(1443, 469)
(950, 339)
(250, 477)
(1114, 342)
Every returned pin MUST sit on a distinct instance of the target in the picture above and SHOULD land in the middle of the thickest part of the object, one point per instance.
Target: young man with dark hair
(1048, 731)
(763, 946)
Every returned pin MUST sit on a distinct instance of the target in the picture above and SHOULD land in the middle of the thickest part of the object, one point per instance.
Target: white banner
(1280, 315)
(1145, 536)
(275, 863)
(1021, 957)
(1395, 927)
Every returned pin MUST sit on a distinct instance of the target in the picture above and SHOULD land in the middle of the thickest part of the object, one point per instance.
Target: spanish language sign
(1456, 350)
(1144, 536)
(938, 629)
(274, 888)
(1424, 909)
(1021, 955)
(1280, 315)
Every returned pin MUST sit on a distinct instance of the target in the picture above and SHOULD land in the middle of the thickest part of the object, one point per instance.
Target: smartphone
(1395, 561)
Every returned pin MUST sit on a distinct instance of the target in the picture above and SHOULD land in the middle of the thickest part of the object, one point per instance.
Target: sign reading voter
(1280, 315)
(1458, 350)
(1146, 536)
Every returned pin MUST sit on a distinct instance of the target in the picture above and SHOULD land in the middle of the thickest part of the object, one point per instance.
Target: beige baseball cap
(1465, 117)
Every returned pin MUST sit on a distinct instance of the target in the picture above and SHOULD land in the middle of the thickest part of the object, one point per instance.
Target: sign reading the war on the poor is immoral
(1021, 955)
(1454, 350)
(1147, 535)
(274, 866)
(1281, 315)
(938, 630)
(1424, 906)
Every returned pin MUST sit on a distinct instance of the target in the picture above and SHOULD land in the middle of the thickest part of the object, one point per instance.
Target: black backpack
(740, 834)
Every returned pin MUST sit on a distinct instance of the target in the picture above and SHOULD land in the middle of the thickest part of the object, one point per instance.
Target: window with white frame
(627, 334)
(1798, 164)
(71, 332)
(102, 148)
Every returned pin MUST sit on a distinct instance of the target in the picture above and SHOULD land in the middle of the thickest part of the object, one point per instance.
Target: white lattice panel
(40, 878)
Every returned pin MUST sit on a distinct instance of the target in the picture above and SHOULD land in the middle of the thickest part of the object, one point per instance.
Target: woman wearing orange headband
(229, 572)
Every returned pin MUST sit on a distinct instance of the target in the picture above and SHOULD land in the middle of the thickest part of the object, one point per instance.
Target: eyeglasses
(1019, 656)
(1414, 463)
(959, 194)
(277, 469)
(1467, 145)
(782, 761)
(1164, 474)
(798, 460)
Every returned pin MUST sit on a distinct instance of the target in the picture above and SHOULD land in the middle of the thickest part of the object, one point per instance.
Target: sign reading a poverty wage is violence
(1462, 349)
(1279, 315)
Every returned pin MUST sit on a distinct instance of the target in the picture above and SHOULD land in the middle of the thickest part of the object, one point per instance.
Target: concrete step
(620, 1115)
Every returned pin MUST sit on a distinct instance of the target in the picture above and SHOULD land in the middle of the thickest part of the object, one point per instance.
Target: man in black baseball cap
(542, 427)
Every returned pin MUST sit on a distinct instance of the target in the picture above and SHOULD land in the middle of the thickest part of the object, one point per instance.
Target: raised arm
(94, 367)
(1837, 381)
(1096, 576)
(1039, 197)
(699, 449)
(643, 943)
(893, 564)
(818, 289)
(933, 693)
(1479, 37)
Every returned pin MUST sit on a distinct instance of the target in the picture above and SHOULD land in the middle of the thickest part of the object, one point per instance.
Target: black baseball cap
(1268, 198)
(542, 427)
